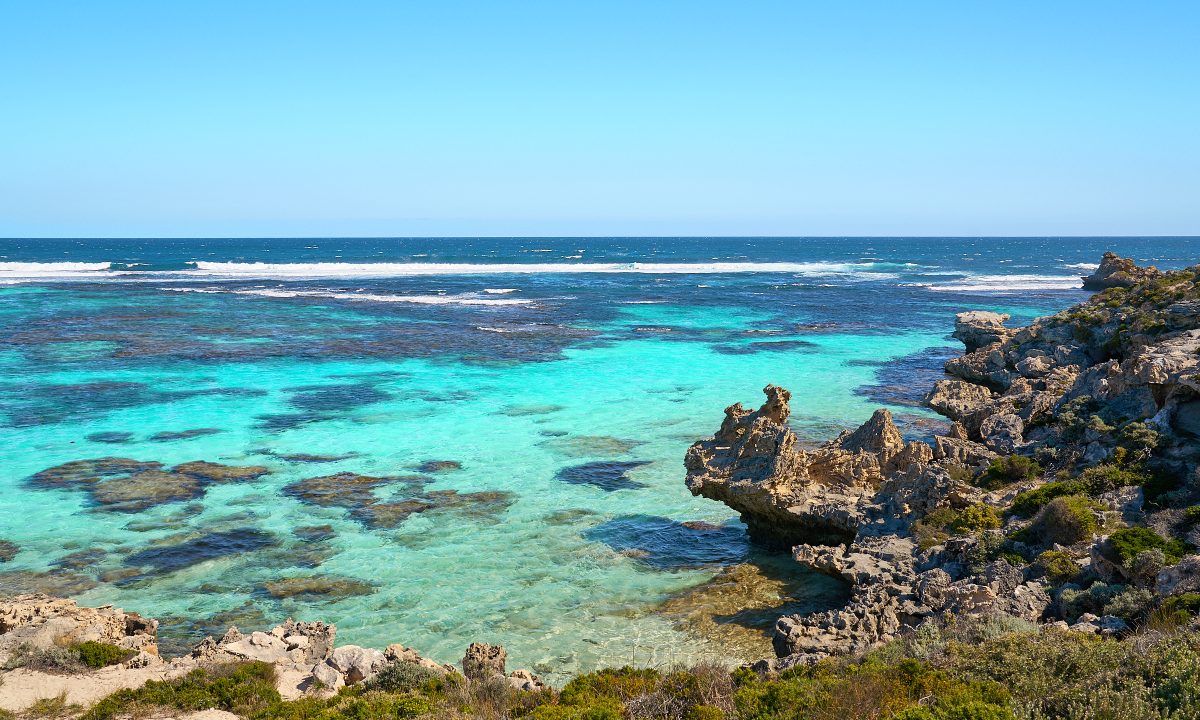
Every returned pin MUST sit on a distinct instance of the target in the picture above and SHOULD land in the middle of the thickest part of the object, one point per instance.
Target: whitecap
(1006, 283)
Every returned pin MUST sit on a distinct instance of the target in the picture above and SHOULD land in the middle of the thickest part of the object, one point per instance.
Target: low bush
(1191, 516)
(1058, 567)
(246, 689)
(98, 654)
(1008, 470)
(1026, 504)
(405, 677)
(975, 518)
(1063, 521)
(1128, 543)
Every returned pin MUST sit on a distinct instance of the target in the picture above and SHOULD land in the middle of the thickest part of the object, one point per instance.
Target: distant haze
(617, 118)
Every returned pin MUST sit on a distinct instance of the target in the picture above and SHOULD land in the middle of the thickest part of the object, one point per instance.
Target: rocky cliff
(1060, 494)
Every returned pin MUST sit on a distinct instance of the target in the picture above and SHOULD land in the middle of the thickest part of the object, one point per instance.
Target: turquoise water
(571, 398)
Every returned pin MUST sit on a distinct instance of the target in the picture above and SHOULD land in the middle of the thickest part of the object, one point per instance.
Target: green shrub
(98, 654)
(1188, 603)
(1102, 478)
(1065, 521)
(1057, 566)
(1132, 605)
(1026, 504)
(404, 677)
(704, 712)
(1009, 469)
(1191, 516)
(244, 689)
(975, 518)
(1127, 543)
(620, 684)
(1074, 603)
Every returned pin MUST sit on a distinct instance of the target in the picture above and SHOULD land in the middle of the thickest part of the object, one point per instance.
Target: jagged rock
(526, 681)
(483, 661)
(1106, 626)
(979, 328)
(328, 677)
(397, 653)
(357, 664)
(44, 622)
(787, 495)
(962, 451)
(1116, 271)
(956, 399)
(1003, 433)
(1179, 578)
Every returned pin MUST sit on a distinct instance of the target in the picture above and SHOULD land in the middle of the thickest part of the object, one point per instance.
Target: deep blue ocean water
(523, 405)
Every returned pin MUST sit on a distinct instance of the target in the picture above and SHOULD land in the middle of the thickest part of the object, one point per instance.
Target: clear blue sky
(445, 118)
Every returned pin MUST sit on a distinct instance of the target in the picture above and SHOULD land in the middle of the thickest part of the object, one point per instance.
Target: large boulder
(979, 328)
(1116, 271)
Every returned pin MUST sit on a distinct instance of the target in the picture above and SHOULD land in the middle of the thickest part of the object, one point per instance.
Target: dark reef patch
(346, 489)
(170, 436)
(210, 546)
(609, 476)
(8, 550)
(317, 588)
(436, 466)
(335, 398)
(125, 485)
(905, 381)
(766, 346)
(314, 533)
(110, 438)
(582, 446)
(59, 583)
(306, 457)
(666, 544)
(81, 559)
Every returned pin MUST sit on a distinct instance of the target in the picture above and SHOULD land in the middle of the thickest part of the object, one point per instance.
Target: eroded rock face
(787, 495)
(1116, 271)
(43, 622)
(483, 661)
(978, 328)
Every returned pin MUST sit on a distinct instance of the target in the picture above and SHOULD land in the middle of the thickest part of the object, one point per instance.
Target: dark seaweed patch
(609, 475)
(665, 544)
(766, 346)
(110, 438)
(336, 398)
(211, 546)
(183, 434)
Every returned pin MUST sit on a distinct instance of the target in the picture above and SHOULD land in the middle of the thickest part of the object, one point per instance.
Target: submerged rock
(345, 489)
(110, 438)
(171, 436)
(313, 588)
(436, 466)
(210, 546)
(138, 492)
(58, 583)
(582, 446)
(609, 476)
(8, 550)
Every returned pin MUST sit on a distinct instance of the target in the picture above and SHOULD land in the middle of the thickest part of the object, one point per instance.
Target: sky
(296, 118)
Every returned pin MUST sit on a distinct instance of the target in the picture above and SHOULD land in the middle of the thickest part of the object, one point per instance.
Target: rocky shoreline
(1088, 417)
(1066, 494)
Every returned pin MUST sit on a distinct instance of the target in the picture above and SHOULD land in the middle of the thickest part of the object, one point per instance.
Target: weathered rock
(1182, 577)
(1116, 271)
(979, 328)
(956, 399)
(1106, 626)
(357, 664)
(1003, 433)
(44, 622)
(526, 681)
(483, 661)
(398, 653)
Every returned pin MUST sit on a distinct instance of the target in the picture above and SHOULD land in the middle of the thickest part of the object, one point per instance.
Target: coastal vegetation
(988, 668)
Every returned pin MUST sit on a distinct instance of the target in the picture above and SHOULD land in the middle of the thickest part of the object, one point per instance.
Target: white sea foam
(50, 270)
(1006, 283)
(369, 297)
(499, 291)
(348, 270)
(1085, 267)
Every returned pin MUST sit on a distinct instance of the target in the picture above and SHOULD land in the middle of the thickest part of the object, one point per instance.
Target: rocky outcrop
(1111, 380)
(787, 495)
(44, 622)
(1116, 271)
(978, 328)
(304, 654)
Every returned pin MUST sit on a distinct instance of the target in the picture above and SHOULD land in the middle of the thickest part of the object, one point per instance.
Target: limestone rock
(978, 329)
(357, 664)
(957, 399)
(1003, 433)
(1116, 271)
(483, 661)
(43, 622)
(1180, 578)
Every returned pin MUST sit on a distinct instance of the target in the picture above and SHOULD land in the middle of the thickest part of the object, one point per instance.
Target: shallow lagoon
(566, 413)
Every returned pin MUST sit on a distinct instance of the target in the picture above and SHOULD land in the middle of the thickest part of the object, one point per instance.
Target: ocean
(459, 439)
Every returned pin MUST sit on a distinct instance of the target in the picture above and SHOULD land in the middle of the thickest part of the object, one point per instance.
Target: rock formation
(1116, 271)
(1114, 381)
(304, 654)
